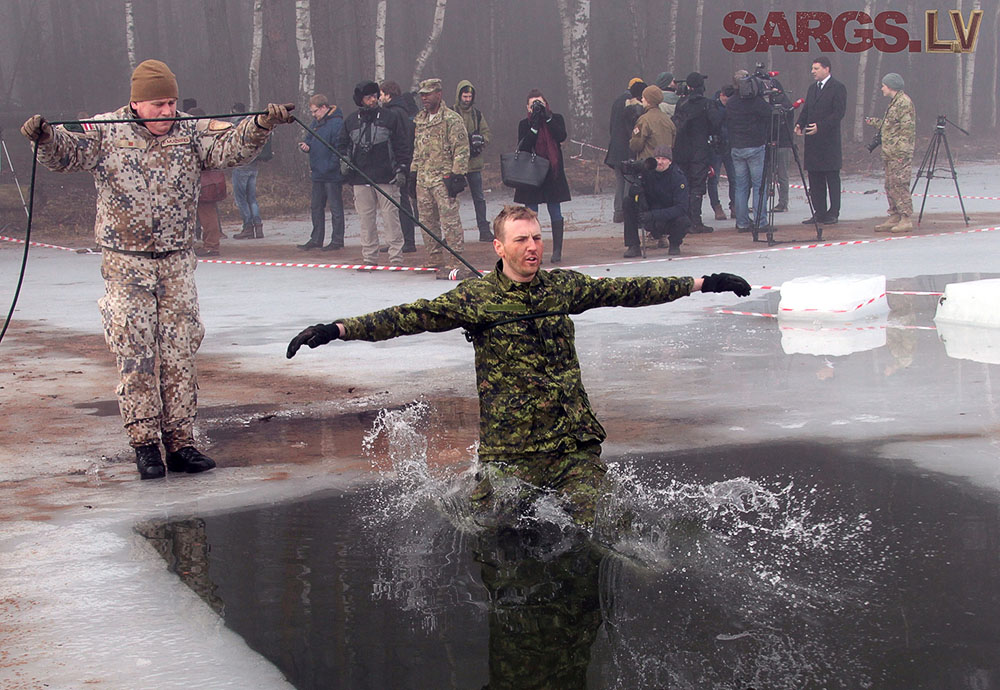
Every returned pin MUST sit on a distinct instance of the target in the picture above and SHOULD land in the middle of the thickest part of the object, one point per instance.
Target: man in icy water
(535, 420)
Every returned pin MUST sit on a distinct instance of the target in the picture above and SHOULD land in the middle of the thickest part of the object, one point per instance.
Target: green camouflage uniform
(899, 133)
(147, 207)
(440, 147)
(535, 420)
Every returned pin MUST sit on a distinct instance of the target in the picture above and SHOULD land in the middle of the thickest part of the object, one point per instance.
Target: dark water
(779, 566)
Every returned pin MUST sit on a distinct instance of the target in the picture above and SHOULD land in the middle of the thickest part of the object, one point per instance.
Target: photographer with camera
(657, 202)
(696, 118)
(479, 138)
(897, 135)
(748, 117)
(542, 133)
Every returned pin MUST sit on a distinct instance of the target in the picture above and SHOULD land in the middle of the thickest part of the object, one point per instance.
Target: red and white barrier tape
(42, 244)
(834, 311)
(929, 196)
(289, 264)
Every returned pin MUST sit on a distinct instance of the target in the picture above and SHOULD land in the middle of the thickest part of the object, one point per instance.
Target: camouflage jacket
(440, 146)
(899, 128)
(147, 185)
(531, 395)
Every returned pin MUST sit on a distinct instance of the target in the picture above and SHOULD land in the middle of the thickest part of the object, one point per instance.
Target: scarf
(547, 147)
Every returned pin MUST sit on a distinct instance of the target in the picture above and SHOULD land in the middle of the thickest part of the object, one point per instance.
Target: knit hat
(633, 81)
(663, 151)
(663, 81)
(893, 81)
(636, 89)
(696, 80)
(152, 80)
(653, 95)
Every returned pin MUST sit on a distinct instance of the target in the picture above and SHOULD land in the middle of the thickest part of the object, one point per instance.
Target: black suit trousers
(820, 182)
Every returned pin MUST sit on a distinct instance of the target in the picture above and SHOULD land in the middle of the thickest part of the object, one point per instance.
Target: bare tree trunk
(672, 44)
(996, 62)
(638, 36)
(861, 91)
(221, 50)
(304, 43)
(699, 13)
(130, 35)
(380, 40)
(960, 77)
(575, 22)
(256, 42)
(970, 74)
(432, 39)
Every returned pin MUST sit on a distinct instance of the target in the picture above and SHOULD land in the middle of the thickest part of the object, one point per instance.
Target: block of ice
(839, 298)
(976, 303)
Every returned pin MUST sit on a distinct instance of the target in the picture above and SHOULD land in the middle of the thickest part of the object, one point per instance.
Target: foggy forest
(58, 58)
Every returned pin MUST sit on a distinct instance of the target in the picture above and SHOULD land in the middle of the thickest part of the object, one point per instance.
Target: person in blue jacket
(327, 180)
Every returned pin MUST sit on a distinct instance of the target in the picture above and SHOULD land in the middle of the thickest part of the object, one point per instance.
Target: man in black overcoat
(826, 103)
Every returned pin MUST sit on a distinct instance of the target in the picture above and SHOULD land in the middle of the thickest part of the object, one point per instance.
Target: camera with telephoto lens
(537, 107)
(477, 142)
(682, 88)
(637, 167)
(875, 142)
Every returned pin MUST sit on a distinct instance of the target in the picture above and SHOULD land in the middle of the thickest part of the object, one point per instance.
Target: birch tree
(996, 62)
(380, 12)
(130, 35)
(575, 18)
(304, 43)
(432, 40)
(672, 43)
(861, 92)
(256, 43)
(638, 36)
(960, 77)
(970, 74)
(699, 14)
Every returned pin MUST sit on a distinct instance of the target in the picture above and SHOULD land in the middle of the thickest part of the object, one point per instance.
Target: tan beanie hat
(152, 80)
(653, 95)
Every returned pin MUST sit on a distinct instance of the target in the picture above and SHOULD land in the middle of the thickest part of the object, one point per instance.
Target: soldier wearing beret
(535, 420)
(147, 170)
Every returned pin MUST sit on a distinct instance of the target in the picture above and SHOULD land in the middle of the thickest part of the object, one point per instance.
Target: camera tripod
(779, 122)
(927, 166)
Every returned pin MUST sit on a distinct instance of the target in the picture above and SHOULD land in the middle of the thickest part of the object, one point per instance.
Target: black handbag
(523, 169)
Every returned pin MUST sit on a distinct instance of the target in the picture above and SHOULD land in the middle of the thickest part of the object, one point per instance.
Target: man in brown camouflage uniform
(898, 129)
(535, 420)
(440, 162)
(147, 176)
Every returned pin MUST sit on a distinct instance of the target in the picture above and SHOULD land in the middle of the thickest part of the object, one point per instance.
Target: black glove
(276, 114)
(645, 218)
(314, 336)
(537, 119)
(37, 129)
(725, 282)
(401, 179)
(455, 184)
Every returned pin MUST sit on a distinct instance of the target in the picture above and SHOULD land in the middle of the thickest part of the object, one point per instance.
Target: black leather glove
(455, 184)
(37, 129)
(401, 179)
(276, 114)
(314, 336)
(536, 119)
(725, 282)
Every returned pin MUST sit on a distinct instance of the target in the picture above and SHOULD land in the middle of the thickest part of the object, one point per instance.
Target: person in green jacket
(535, 420)
(479, 139)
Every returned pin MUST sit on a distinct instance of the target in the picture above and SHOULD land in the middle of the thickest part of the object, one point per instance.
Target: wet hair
(535, 93)
(318, 100)
(511, 212)
(391, 88)
(822, 60)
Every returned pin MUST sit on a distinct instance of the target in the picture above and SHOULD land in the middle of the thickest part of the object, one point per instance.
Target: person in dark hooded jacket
(696, 118)
(479, 139)
(376, 141)
(394, 99)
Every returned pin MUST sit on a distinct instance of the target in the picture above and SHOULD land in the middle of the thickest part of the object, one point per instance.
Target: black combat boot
(557, 238)
(258, 229)
(149, 462)
(189, 459)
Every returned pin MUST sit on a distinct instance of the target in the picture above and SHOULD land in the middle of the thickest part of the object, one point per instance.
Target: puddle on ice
(797, 565)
